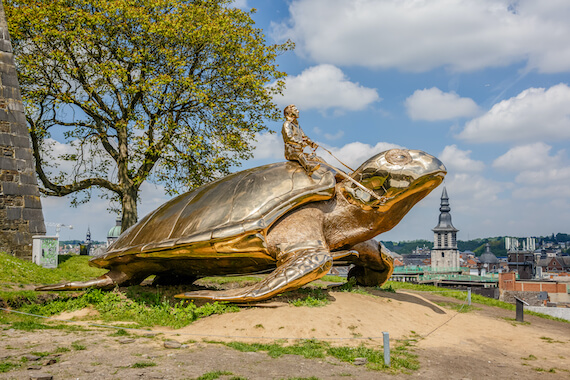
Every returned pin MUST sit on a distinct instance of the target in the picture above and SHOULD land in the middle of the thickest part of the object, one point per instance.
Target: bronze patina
(274, 218)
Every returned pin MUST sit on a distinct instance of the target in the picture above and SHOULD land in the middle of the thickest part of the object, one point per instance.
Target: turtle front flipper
(300, 267)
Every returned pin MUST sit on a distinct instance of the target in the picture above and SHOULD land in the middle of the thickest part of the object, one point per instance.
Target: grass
(402, 359)
(78, 346)
(550, 340)
(315, 297)
(143, 364)
(120, 332)
(213, 375)
(460, 308)
(71, 268)
(461, 295)
(6, 366)
(115, 306)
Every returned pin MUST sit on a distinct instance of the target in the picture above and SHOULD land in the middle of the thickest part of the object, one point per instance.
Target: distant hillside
(477, 246)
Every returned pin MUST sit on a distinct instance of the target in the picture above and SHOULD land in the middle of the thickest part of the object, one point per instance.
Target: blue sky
(483, 85)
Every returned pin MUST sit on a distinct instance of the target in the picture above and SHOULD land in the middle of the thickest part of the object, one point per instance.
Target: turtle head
(391, 176)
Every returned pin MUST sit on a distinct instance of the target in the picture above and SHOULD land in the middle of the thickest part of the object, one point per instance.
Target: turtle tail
(102, 282)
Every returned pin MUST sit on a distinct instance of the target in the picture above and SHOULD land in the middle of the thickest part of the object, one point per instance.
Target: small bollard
(469, 296)
(386, 348)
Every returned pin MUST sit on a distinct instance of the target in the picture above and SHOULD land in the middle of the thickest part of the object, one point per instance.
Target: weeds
(78, 346)
(316, 297)
(214, 375)
(401, 359)
(550, 340)
(113, 306)
(120, 332)
(6, 366)
(143, 364)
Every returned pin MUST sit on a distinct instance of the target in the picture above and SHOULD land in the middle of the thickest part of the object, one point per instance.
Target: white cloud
(268, 145)
(534, 114)
(414, 35)
(241, 4)
(458, 160)
(326, 87)
(531, 156)
(559, 192)
(355, 153)
(336, 136)
(433, 104)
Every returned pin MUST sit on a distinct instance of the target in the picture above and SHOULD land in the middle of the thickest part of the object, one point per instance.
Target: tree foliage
(171, 91)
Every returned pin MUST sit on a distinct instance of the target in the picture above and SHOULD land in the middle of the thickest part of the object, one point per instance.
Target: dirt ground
(484, 342)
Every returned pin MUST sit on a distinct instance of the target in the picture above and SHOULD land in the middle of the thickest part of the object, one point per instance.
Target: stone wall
(21, 213)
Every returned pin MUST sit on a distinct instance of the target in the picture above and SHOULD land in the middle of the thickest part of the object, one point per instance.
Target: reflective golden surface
(273, 218)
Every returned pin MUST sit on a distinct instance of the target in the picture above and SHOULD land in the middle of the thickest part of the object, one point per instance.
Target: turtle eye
(398, 157)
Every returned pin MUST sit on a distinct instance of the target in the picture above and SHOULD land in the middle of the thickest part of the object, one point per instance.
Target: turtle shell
(230, 215)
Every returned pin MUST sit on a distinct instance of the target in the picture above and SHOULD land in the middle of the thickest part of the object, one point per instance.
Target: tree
(170, 91)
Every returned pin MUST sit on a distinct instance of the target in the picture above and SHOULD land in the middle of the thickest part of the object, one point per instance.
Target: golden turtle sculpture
(273, 218)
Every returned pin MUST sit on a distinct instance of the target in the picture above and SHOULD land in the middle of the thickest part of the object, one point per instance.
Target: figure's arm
(373, 266)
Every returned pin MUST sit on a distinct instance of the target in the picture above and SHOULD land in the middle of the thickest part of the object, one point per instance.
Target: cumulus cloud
(326, 87)
(458, 160)
(546, 178)
(525, 157)
(418, 36)
(534, 114)
(433, 104)
(355, 153)
(268, 145)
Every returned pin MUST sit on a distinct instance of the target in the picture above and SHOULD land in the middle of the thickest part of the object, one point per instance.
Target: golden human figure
(295, 141)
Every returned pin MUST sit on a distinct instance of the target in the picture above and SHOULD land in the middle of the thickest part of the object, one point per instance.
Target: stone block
(23, 166)
(37, 227)
(30, 190)
(24, 154)
(8, 163)
(28, 179)
(11, 188)
(13, 213)
(19, 129)
(32, 214)
(6, 139)
(31, 201)
(5, 59)
(21, 141)
(10, 80)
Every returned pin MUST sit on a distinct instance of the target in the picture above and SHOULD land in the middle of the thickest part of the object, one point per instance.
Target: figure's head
(291, 112)
(392, 176)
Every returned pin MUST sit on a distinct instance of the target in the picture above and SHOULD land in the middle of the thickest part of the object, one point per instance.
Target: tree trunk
(129, 205)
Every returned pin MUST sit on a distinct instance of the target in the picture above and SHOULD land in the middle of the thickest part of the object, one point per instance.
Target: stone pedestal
(21, 213)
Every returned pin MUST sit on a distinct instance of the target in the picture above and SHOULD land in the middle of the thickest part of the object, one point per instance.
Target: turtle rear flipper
(300, 268)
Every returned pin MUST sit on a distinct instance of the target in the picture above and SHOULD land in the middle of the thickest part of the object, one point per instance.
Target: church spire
(444, 216)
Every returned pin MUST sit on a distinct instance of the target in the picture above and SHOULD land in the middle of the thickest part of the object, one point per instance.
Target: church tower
(444, 253)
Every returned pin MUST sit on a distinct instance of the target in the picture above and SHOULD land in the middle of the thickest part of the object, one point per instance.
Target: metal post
(469, 296)
(520, 311)
(386, 348)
